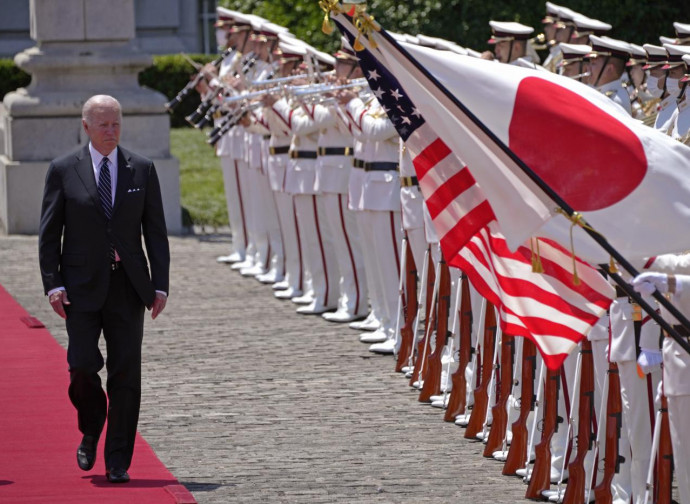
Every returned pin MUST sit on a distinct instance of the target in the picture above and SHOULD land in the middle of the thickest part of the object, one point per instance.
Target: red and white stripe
(456, 204)
(547, 307)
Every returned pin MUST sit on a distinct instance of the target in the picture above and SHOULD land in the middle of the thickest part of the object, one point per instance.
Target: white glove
(646, 283)
(649, 360)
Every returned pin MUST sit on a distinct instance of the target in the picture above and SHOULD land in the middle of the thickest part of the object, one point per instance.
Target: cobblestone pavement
(245, 401)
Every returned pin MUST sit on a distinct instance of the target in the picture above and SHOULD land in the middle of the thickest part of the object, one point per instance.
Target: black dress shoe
(86, 453)
(116, 475)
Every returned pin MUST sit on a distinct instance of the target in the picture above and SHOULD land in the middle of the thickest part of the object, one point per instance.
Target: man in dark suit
(97, 204)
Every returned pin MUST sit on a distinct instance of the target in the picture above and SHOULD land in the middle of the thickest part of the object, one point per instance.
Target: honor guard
(379, 207)
(669, 275)
(573, 61)
(315, 237)
(607, 67)
(643, 103)
(290, 58)
(584, 27)
(232, 32)
(680, 125)
(335, 154)
(512, 45)
(657, 58)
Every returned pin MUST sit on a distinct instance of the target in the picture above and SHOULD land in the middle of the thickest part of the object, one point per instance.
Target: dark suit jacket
(75, 236)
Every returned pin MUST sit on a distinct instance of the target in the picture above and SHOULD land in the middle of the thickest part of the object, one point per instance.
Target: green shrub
(168, 75)
(11, 77)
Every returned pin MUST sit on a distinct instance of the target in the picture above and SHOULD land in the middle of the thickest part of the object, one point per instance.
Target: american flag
(546, 307)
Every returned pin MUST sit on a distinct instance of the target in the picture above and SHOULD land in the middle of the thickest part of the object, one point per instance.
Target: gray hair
(99, 101)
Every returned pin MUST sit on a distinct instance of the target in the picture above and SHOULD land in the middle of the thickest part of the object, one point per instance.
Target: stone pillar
(83, 47)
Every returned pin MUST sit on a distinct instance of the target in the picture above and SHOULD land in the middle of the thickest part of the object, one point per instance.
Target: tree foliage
(466, 21)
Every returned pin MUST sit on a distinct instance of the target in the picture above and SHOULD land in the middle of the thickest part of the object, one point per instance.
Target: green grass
(201, 179)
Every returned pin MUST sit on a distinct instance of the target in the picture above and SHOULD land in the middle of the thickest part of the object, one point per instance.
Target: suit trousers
(121, 320)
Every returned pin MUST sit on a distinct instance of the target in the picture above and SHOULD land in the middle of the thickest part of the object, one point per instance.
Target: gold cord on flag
(576, 220)
(537, 266)
(365, 24)
(328, 6)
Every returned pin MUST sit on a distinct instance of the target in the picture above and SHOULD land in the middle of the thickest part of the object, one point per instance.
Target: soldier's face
(550, 31)
(502, 51)
(594, 67)
(103, 127)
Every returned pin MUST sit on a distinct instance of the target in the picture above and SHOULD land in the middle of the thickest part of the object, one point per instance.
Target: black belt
(301, 154)
(358, 163)
(267, 137)
(680, 329)
(382, 166)
(279, 150)
(409, 181)
(335, 151)
(114, 266)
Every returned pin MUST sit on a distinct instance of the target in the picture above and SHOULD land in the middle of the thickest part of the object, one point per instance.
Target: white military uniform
(335, 149)
(380, 203)
(278, 148)
(262, 223)
(315, 238)
(676, 375)
(231, 177)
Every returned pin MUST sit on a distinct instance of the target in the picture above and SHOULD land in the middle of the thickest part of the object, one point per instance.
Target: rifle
(411, 306)
(481, 393)
(575, 490)
(518, 446)
(665, 459)
(185, 91)
(421, 344)
(432, 376)
(458, 395)
(499, 411)
(198, 118)
(612, 460)
(540, 478)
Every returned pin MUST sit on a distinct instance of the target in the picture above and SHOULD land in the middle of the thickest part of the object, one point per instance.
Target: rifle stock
(458, 395)
(433, 368)
(517, 454)
(602, 492)
(481, 393)
(577, 475)
(540, 478)
(423, 342)
(407, 331)
(499, 412)
(662, 488)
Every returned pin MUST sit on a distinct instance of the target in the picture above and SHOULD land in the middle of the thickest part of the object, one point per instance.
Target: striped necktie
(105, 193)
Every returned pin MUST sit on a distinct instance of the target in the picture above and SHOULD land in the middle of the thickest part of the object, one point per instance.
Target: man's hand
(269, 99)
(158, 305)
(57, 301)
(646, 283)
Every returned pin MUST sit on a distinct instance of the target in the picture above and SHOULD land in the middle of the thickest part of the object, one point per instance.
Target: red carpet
(39, 435)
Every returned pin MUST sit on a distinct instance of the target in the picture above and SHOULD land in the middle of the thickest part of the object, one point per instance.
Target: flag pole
(574, 216)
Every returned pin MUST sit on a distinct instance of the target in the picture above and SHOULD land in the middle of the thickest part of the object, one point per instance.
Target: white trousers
(317, 249)
(288, 229)
(637, 399)
(381, 230)
(348, 252)
(234, 201)
(678, 411)
(369, 254)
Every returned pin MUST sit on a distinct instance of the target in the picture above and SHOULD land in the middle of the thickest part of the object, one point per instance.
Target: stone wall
(162, 26)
